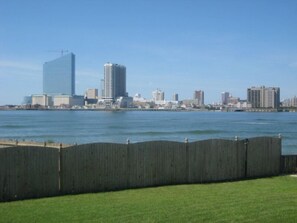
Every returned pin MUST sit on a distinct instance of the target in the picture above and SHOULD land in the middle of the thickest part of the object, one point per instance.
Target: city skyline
(182, 46)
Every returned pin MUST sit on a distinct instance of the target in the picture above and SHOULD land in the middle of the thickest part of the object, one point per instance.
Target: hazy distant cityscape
(59, 93)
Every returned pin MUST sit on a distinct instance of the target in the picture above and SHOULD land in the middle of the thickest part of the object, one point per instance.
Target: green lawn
(262, 200)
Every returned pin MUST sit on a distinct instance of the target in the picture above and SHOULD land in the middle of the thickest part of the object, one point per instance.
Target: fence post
(128, 164)
(59, 170)
(281, 160)
(246, 145)
(187, 160)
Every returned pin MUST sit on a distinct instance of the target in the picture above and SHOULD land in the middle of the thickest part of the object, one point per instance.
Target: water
(137, 126)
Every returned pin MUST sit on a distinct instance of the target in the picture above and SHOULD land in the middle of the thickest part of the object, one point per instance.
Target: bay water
(118, 126)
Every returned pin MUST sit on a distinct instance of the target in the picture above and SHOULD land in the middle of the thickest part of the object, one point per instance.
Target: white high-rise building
(158, 95)
(114, 81)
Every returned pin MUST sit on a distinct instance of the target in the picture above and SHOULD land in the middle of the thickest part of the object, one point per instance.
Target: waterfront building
(92, 93)
(192, 103)
(291, 102)
(158, 98)
(138, 98)
(175, 97)
(225, 98)
(114, 81)
(59, 76)
(125, 102)
(294, 101)
(158, 95)
(91, 96)
(271, 98)
(102, 88)
(242, 104)
(263, 97)
(140, 102)
(27, 100)
(42, 100)
(68, 101)
(254, 97)
(199, 95)
(286, 102)
(233, 100)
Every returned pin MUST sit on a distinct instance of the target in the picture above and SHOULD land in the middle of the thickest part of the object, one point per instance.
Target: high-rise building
(114, 81)
(225, 98)
(158, 95)
(254, 97)
(199, 95)
(59, 76)
(262, 97)
(271, 97)
(175, 97)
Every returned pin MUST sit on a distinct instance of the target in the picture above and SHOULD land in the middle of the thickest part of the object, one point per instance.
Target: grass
(262, 200)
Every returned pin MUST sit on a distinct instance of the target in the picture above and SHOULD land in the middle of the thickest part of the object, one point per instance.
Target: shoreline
(264, 110)
(4, 143)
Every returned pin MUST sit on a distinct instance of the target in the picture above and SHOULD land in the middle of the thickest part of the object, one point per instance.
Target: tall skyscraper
(199, 95)
(175, 97)
(225, 98)
(114, 81)
(158, 95)
(262, 97)
(59, 76)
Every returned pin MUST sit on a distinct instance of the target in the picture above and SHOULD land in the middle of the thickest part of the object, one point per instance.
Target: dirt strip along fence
(31, 172)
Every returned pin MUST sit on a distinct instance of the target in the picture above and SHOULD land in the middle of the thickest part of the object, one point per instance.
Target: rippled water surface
(98, 126)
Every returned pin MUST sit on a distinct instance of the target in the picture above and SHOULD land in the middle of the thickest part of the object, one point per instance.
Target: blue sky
(178, 46)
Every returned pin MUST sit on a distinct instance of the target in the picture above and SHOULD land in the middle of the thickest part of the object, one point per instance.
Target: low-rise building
(42, 100)
(190, 103)
(68, 101)
(125, 102)
(92, 93)
(27, 100)
(290, 102)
